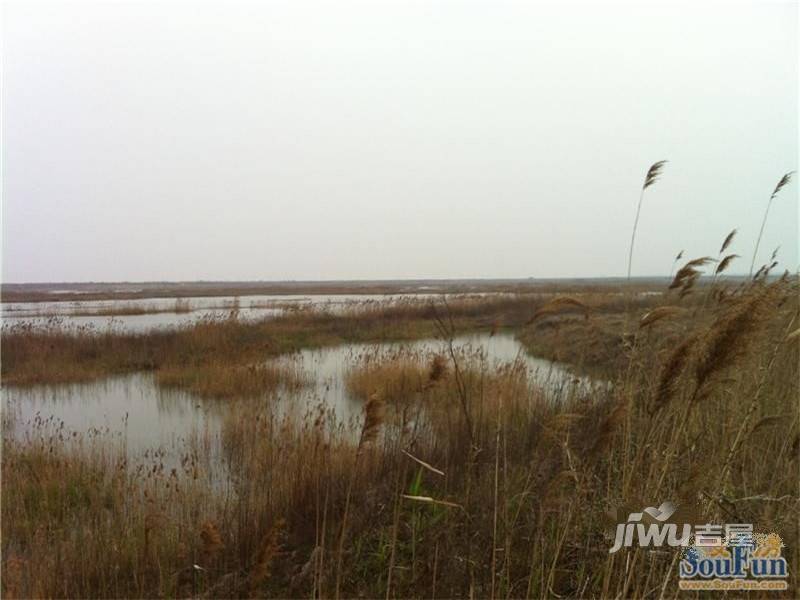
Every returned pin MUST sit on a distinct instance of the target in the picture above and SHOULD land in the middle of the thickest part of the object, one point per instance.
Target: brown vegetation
(53, 355)
(420, 506)
(461, 479)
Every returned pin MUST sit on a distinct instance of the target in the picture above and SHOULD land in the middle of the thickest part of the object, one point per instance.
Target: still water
(132, 410)
(158, 313)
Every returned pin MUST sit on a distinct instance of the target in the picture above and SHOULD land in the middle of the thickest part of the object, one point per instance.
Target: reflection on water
(227, 303)
(329, 367)
(136, 323)
(146, 418)
(132, 409)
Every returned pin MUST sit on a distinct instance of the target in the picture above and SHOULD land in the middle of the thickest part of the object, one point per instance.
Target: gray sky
(343, 140)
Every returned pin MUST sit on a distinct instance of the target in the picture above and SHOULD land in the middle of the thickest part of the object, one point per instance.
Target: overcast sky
(349, 140)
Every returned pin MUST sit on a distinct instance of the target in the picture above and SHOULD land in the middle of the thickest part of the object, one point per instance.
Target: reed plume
(650, 178)
(721, 264)
(438, 368)
(684, 273)
(270, 546)
(659, 313)
(608, 427)
(727, 241)
(688, 287)
(211, 541)
(436, 371)
(729, 337)
(374, 412)
(725, 263)
(700, 262)
(653, 174)
(763, 271)
(784, 181)
(558, 305)
(210, 536)
(671, 371)
(772, 265)
(675, 262)
(687, 275)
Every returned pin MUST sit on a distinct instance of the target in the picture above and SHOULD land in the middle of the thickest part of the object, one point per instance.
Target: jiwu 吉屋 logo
(715, 557)
(653, 527)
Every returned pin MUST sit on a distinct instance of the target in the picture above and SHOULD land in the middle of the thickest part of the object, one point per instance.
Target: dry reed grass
(523, 515)
(459, 479)
(233, 381)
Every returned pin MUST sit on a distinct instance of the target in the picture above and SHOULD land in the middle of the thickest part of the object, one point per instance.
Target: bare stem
(633, 235)
(760, 233)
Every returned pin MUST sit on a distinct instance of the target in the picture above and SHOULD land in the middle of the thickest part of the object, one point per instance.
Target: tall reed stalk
(652, 176)
(784, 181)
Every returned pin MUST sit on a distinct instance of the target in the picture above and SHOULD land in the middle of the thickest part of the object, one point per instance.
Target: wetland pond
(151, 421)
(158, 313)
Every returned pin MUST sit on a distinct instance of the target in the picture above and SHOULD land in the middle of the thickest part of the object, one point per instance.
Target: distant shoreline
(56, 292)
